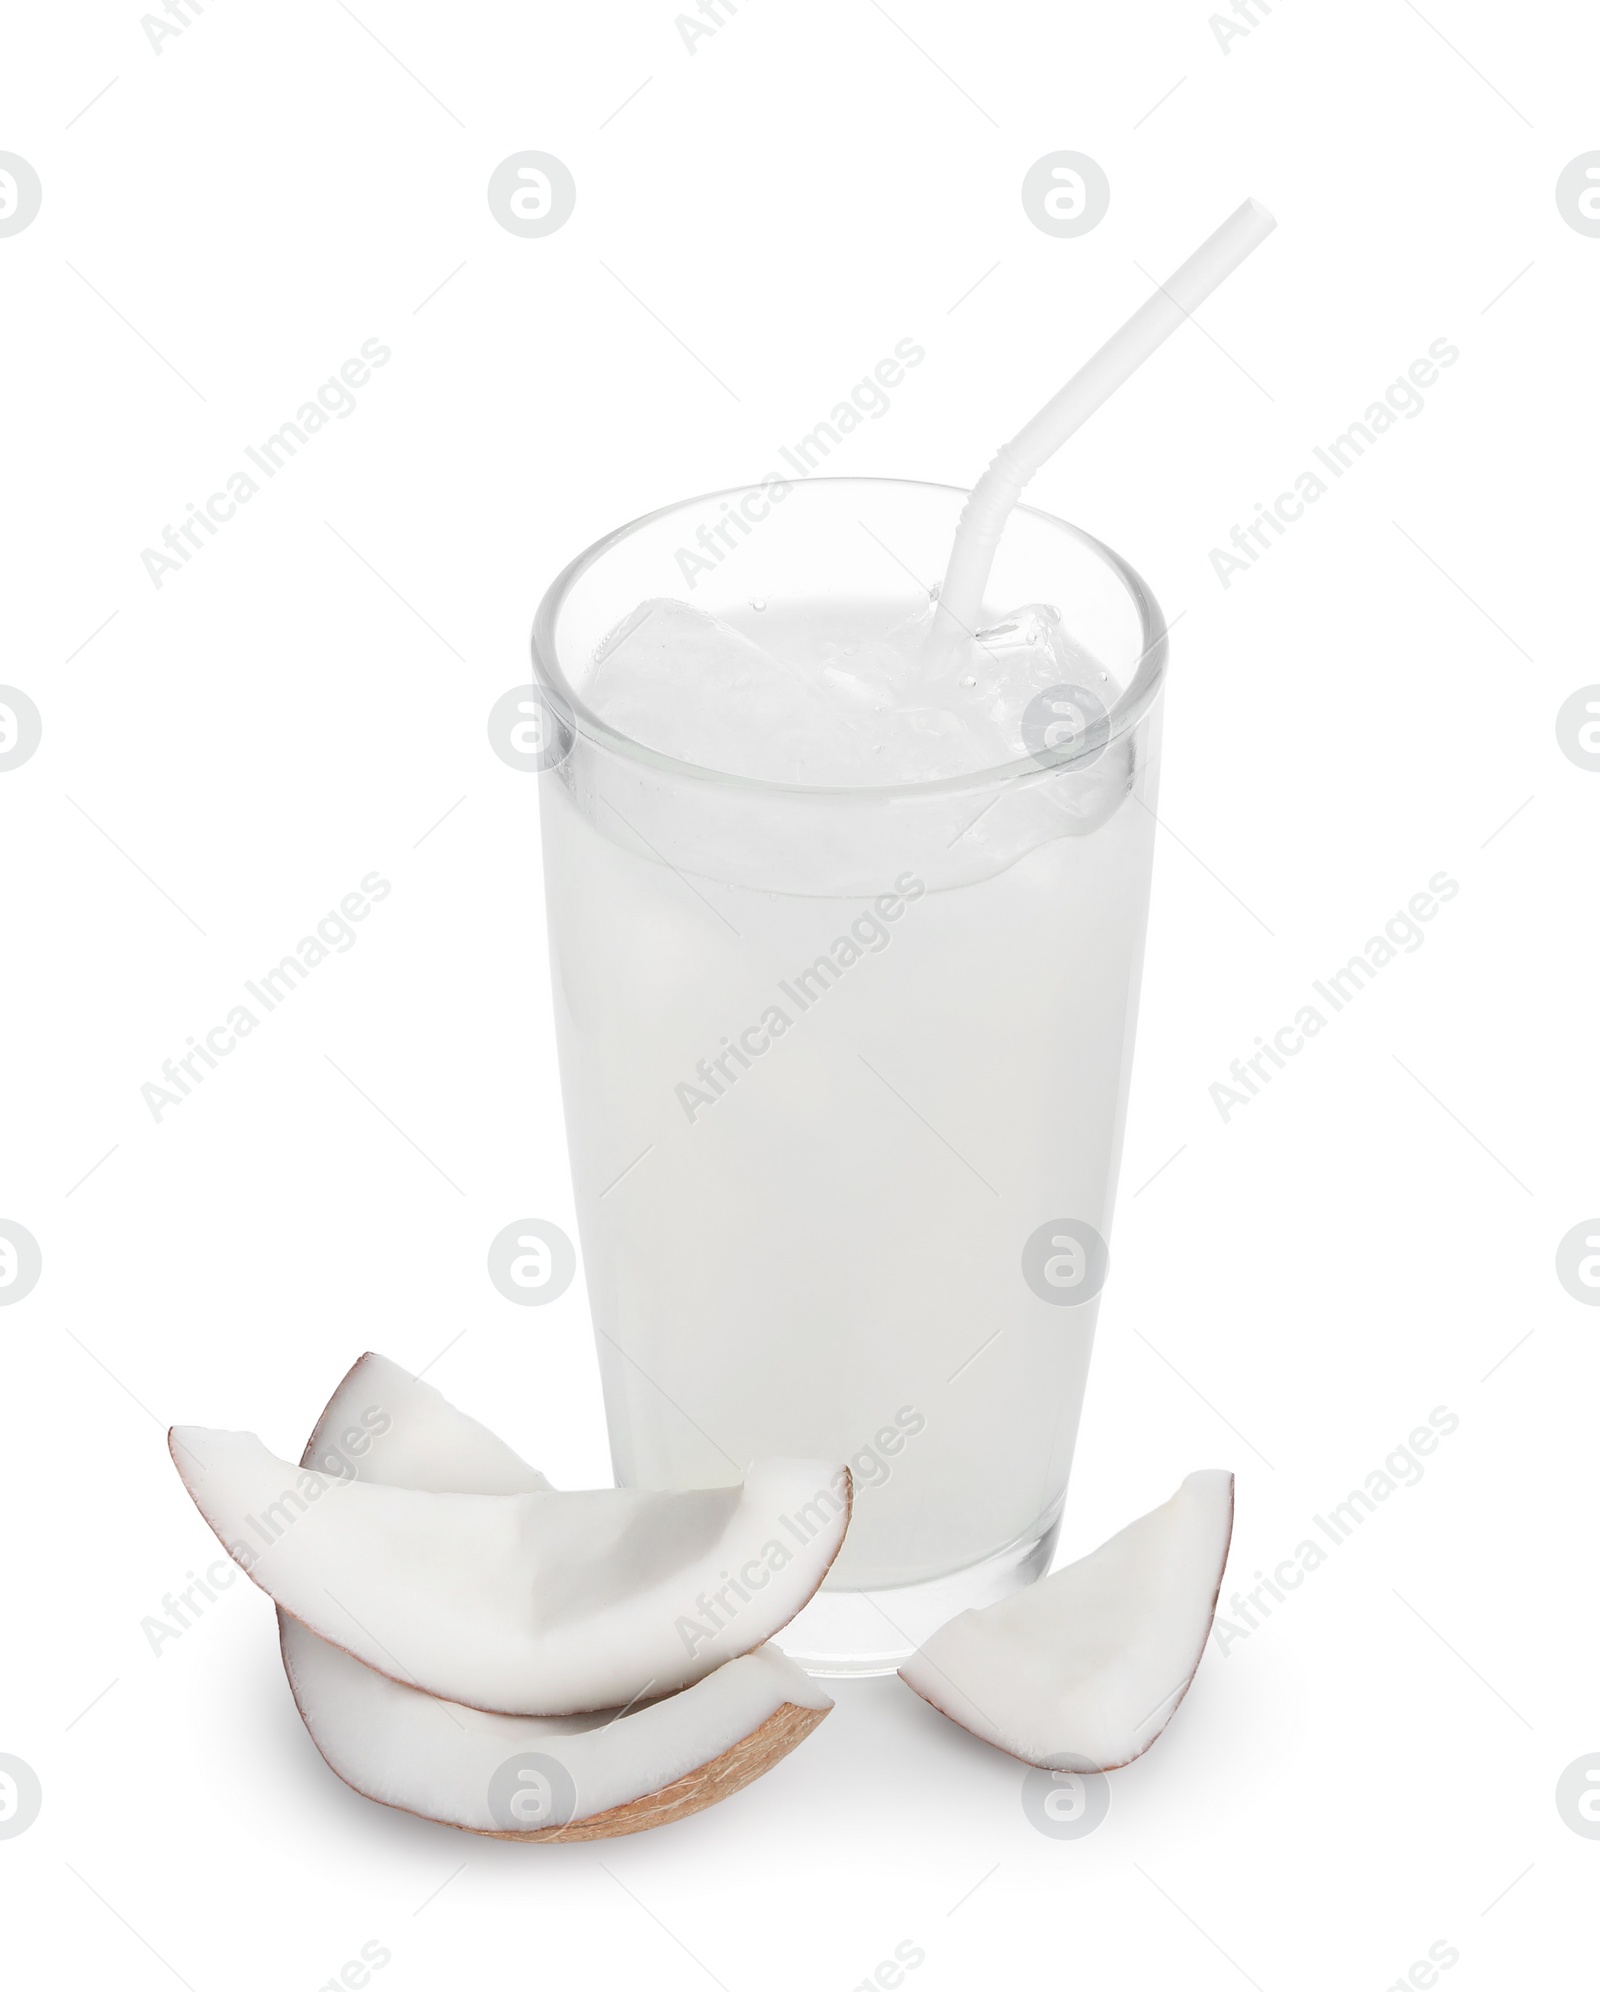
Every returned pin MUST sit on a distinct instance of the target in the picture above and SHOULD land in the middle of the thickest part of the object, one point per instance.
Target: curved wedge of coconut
(523, 1604)
(1082, 1671)
(522, 1777)
(583, 1777)
(385, 1425)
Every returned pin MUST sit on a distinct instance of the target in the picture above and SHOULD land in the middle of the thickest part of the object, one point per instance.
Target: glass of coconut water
(846, 915)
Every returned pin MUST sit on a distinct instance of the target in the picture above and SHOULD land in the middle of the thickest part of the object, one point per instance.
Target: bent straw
(984, 515)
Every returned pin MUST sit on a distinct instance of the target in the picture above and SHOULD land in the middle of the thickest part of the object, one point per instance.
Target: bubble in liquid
(757, 604)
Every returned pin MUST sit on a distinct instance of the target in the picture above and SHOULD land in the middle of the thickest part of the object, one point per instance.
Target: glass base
(870, 1632)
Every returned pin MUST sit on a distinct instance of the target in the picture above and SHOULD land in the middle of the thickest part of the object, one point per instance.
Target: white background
(1371, 1771)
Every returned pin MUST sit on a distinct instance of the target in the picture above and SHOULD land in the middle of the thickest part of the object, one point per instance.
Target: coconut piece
(531, 1603)
(519, 1777)
(1082, 1671)
(385, 1425)
(590, 1776)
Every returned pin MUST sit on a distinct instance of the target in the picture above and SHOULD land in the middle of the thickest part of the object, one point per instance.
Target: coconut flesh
(517, 1777)
(533, 1603)
(384, 1424)
(466, 1643)
(1083, 1670)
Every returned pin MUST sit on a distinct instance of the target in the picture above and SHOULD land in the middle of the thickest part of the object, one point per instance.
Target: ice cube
(822, 699)
(1023, 648)
(679, 680)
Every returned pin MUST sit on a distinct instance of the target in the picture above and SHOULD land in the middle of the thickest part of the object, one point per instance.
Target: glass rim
(1130, 707)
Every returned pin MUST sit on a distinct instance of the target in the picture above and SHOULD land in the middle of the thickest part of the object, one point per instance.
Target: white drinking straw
(984, 515)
